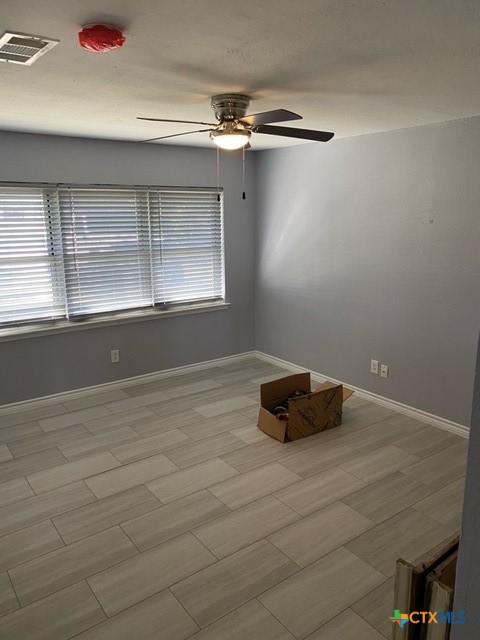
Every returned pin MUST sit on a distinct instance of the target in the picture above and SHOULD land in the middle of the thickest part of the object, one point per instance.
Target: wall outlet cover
(374, 366)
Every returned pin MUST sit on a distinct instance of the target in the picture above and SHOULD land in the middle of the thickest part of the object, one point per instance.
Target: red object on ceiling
(100, 38)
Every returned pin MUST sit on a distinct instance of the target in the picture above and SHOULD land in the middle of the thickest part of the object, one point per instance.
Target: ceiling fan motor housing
(230, 106)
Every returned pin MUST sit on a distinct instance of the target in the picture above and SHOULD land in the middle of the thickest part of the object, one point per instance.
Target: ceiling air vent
(21, 48)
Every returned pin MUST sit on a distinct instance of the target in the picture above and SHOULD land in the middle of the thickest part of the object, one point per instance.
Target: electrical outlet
(384, 371)
(115, 355)
(374, 367)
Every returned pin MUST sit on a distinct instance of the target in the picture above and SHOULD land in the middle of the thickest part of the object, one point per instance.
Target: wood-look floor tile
(250, 412)
(32, 463)
(146, 447)
(378, 463)
(140, 389)
(73, 417)
(105, 513)
(236, 376)
(320, 533)
(63, 474)
(366, 414)
(28, 511)
(427, 442)
(93, 399)
(155, 424)
(182, 483)
(173, 519)
(380, 434)
(236, 530)
(270, 377)
(58, 569)
(160, 617)
(246, 487)
(27, 544)
(211, 593)
(135, 402)
(318, 593)
(409, 505)
(250, 434)
(190, 388)
(207, 427)
(131, 475)
(8, 599)
(112, 421)
(14, 490)
(386, 497)
(256, 455)
(149, 572)
(346, 626)
(224, 406)
(446, 504)
(318, 491)
(174, 380)
(58, 617)
(16, 432)
(196, 452)
(442, 468)
(175, 405)
(317, 458)
(5, 453)
(98, 443)
(376, 608)
(406, 535)
(41, 441)
(250, 621)
(30, 415)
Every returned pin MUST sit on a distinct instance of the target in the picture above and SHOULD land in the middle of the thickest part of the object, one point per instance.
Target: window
(68, 252)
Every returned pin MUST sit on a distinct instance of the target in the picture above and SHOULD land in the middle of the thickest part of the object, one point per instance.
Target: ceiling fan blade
(291, 132)
(278, 115)
(175, 135)
(179, 121)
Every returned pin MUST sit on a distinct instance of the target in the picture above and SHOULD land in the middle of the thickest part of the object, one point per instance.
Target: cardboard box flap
(315, 412)
(347, 393)
(269, 424)
(276, 391)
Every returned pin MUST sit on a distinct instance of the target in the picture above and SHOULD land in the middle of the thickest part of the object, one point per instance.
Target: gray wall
(467, 589)
(369, 247)
(45, 365)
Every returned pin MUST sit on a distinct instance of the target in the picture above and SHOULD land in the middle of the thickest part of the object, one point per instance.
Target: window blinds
(106, 249)
(187, 246)
(31, 282)
(76, 251)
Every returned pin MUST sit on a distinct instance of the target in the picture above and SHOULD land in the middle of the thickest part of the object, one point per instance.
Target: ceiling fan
(234, 128)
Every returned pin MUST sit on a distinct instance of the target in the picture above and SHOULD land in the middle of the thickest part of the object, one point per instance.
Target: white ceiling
(349, 66)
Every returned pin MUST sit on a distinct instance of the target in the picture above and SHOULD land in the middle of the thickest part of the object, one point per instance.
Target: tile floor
(159, 511)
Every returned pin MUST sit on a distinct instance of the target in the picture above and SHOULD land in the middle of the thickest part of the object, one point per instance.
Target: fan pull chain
(218, 174)
(243, 174)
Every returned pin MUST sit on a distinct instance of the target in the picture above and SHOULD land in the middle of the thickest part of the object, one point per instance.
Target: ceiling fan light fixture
(230, 140)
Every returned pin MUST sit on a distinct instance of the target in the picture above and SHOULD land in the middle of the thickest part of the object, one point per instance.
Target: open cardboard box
(309, 414)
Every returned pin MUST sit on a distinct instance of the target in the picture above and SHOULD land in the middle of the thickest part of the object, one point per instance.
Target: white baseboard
(417, 414)
(119, 384)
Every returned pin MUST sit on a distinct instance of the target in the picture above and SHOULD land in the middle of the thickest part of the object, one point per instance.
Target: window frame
(128, 314)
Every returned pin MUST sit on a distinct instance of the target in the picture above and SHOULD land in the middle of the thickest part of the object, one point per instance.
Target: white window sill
(11, 334)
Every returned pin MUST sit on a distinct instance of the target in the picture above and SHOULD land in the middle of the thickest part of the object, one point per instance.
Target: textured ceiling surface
(349, 66)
